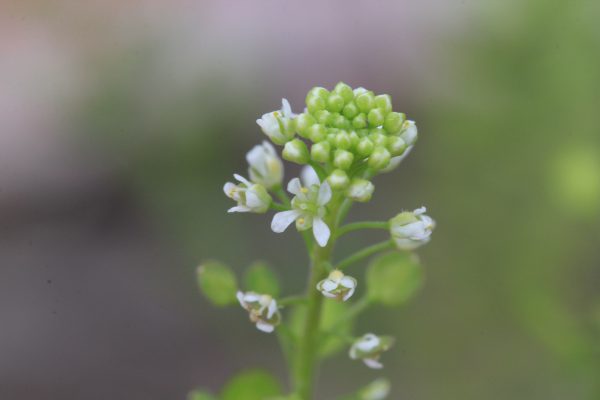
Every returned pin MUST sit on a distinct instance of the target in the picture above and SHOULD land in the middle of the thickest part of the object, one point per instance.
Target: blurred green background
(120, 121)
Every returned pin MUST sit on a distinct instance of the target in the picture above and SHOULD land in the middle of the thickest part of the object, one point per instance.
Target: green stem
(362, 225)
(291, 300)
(281, 195)
(279, 207)
(364, 253)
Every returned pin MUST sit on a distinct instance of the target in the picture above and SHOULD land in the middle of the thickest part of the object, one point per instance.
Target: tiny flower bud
(369, 348)
(303, 122)
(380, 158)
(278, 125)
(409, 132)
(320, 151)
(376, 117)
(318, 91)
(335, 102)
(384, 102)
(360, 121)
(396, 145)
(360, 190)
(358, 91)
(343, 159)
(343, 140)
(345, 91)
(250, 197)
(337, 286)
(262, 310)
(365, 102)
(317, 133)
(354, 138)
(338, 120)
(411, 229)
(265, 167)
(315, 103)
(350, 110)
(393, 122)
(378, 137)
(296, 151)
(338, 179)
(323, 117)
(365, 147)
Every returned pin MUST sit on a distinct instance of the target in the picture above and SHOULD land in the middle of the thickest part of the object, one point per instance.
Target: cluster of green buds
(343, 139)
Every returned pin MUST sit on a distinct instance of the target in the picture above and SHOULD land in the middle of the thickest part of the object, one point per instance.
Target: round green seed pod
(335, 102)
(376, 117)
(303, 122)
(345, 91)
(320, 152)
(365, 102)
(384, 103)
(338, 179)
(393, 122)
(360, 121)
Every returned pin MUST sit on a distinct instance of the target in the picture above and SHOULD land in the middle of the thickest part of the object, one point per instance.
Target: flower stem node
(278, 125)
(410, 230)
(296, 151)
(251, 197)
(262, 309)
(265, 166)
(308, 208)
(360, 190)
(337, 286)
(369, 348)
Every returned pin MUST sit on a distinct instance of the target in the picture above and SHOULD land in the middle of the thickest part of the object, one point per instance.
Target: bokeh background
(120, 121)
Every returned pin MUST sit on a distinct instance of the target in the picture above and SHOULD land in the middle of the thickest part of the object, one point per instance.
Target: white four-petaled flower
(369, 348)
(411, 229)
(265, 166)
(251, 197)
(262, 310)
(337, 286)
(308, 207)
(277, 124)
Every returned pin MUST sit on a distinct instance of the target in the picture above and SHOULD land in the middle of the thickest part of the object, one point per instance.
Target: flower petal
(242, 179)
(324, 194)
(371, 363)
(348, 295)
(238, 209)
(272, 309)
(240, 297)
(286, 109)
(348, 282)
(329, 285)
(294, 186)
(321, 231)
(283, 219)
(263, 326)
(309, 176)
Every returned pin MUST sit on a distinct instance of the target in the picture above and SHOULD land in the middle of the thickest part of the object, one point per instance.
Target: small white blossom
(251, 197)
(337, 286)
(308, 207)
(369, 348)
(277, 125)
(265, 166)
(411, 229)
(262, 310)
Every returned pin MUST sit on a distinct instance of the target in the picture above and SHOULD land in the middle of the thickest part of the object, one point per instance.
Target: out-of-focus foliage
(251, 385)
(217, 282)
(261, 278)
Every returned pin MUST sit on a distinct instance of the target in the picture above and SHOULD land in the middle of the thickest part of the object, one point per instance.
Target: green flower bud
(360, 90)
(320, 151)
(338, 120)
(393, 122)
(318, 91)
(354, 138)
(296, 151)
(350, 110)
(396, 145)
(379, 159)
(365, 102)
(217, 282)
(323, 117)
(345, 91)
(376, 117)
(378, 138)
(343, 159)
(384, 102)
(338, 179)
(360, 190)
(315, 103)
(335, 102)
(342, 140)
(331, 137)
(365, 147)
(317, 133)
(360, 121)
(303, 122)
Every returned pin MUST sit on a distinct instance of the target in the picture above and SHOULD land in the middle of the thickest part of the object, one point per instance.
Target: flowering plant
(343, 139)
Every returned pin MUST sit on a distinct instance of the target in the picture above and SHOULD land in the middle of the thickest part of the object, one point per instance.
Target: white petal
(263, 326)
(240, 297)
(242, 179)
(251, 297)
(420, 210)
(272, 308)
(286, 109)
(321, 231)
(349, 294)
(283, 219)
(228, 188)
(348, 282)
(374, 364)
(294, 186)
(324, 194)
(330, 295)
(252, 200)
(238, 209)
(309, 176)
(329, 285)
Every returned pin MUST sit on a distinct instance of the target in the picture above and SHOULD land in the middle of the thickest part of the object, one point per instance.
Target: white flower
(369, 348)
(411, 229)
(265, 166)
(277, 125)
(337, 286)
(251, 197)
(308, 207)
(262, 309)
(409, 134)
